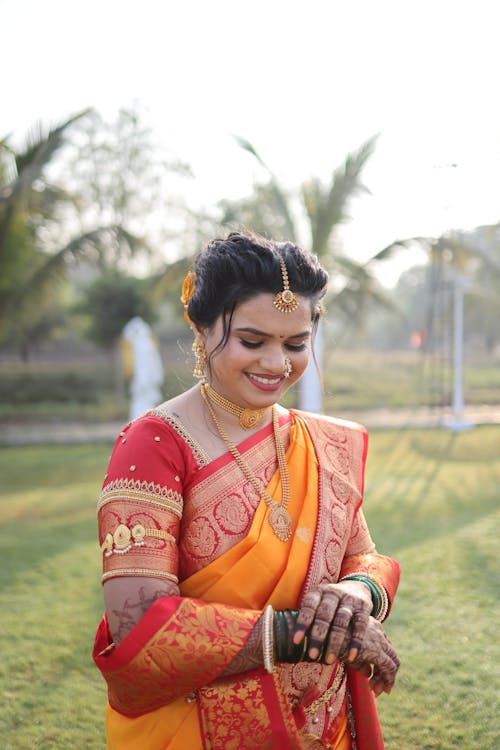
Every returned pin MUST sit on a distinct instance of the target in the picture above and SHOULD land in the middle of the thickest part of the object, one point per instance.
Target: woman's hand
(377, 658)
(333, 613)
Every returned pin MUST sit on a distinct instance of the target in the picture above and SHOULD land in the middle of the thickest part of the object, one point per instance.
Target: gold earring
(288, 368)
(200, 365)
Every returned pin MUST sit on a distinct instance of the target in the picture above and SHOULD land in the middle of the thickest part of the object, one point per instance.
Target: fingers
(350, 623)
(320, 620)
(339, 631)
(310, 609)
(306, 614)
(377, 659)
(338, 625)
(385, 670)
(359, 624)
(328, 614)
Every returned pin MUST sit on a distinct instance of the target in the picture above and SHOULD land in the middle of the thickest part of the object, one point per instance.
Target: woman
(243, 593)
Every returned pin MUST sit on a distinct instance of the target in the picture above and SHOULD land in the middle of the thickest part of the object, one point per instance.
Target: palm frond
(360, 289)
(37, 153)
(390, 251)
(247, 146)
(53, 267)
(279, 194)
(30, 165)
(312, 196)
(331, 203)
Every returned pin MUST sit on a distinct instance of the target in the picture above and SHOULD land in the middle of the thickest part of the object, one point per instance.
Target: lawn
(431, 501)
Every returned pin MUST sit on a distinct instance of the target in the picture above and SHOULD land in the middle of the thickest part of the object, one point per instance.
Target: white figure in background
(142, 363)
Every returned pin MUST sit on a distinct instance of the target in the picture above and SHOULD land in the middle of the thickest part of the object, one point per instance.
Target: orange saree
(164, 684)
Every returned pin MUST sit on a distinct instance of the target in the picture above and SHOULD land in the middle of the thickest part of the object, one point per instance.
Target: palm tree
(269, 211)
(326, 208)
(28, 202)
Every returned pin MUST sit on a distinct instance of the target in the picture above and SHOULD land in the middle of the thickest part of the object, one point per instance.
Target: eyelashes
(257, 344)
(251, 344)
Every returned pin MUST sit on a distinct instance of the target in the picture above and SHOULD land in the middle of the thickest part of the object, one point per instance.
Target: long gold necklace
(248, 417)
(279, 518)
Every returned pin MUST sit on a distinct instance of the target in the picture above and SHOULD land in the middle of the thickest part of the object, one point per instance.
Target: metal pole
(458, 352)
(457, 421)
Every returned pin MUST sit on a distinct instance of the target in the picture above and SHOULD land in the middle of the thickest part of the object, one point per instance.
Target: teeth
(266, 381)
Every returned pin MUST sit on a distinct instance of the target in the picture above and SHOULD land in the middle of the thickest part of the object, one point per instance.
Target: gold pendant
(281, 522)
(250, 417)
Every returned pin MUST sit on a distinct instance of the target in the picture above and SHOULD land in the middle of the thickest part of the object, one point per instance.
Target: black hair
(235, 269)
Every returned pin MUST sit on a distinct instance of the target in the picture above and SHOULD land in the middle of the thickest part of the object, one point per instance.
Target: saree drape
(165, 690)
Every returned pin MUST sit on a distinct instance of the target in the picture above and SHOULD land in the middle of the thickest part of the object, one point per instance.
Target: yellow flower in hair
(188, 287)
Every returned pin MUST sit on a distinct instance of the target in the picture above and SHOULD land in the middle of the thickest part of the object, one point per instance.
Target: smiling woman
(243, 592)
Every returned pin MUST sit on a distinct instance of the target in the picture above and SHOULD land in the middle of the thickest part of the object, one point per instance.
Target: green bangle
(286, 651)
(279, 639)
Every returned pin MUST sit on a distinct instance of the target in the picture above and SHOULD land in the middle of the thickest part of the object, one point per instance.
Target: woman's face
(249, 370)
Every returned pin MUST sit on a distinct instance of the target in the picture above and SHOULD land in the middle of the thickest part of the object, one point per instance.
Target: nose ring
(288, 368)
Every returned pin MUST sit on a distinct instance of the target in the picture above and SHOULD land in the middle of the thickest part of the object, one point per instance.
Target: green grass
(49, 598)
(431, 501)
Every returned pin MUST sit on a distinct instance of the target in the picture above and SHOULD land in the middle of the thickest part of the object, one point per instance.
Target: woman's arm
(127, 599)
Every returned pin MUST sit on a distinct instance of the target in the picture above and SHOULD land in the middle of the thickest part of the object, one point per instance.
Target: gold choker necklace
(248, 417)
(279, 519)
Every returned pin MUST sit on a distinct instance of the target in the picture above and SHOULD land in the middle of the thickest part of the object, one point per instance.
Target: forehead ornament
(285, 301)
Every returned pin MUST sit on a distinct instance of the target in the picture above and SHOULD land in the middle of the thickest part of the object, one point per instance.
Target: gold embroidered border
(201, 456)
(135, 489)
(138, 572)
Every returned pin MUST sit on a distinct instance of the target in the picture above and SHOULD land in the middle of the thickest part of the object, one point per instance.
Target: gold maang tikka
(285, 301)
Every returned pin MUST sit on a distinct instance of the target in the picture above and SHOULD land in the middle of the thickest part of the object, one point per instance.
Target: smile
(264, 379)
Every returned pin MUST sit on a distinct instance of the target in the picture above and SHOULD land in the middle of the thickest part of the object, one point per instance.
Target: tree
(270, 210)
(31, 263)
(110, 302)
(119, 175)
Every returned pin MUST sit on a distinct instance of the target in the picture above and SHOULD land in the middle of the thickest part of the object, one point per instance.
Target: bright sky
(305, 82)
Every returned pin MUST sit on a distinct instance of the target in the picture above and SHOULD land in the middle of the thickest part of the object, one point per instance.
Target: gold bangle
(267, 639)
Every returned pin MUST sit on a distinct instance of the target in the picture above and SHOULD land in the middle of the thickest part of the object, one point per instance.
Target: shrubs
(56, 386)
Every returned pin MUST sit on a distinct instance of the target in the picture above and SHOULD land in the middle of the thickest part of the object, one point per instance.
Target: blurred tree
(119, 175)
(31, 265)
(111, 301)
(471, 259)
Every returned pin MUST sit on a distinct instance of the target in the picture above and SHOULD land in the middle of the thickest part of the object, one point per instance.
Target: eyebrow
(256, 332)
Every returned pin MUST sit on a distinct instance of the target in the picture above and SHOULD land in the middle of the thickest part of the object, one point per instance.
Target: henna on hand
(330, 612)
(250, 656)
(377, 659)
